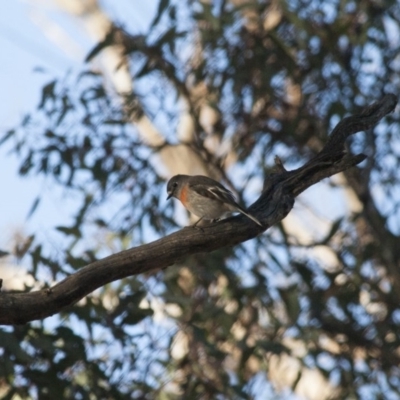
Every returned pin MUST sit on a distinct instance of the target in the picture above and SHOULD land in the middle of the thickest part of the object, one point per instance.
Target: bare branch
(277, 199)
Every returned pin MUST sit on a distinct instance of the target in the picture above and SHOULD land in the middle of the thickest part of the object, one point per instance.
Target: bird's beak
(169, 195)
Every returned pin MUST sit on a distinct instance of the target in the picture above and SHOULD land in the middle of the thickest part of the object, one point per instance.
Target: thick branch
(276, 201)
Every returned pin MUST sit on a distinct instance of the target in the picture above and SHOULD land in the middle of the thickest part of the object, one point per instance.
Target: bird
(205, 197)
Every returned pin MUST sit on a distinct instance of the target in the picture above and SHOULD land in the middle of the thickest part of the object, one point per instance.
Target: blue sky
(30, 58)
(24, 48)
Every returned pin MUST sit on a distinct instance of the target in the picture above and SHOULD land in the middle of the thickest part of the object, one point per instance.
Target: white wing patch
(223, 195)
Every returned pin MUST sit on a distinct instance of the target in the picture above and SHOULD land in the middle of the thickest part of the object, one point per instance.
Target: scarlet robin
(204, 197)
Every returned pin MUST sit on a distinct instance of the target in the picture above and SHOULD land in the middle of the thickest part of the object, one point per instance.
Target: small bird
(204, 197)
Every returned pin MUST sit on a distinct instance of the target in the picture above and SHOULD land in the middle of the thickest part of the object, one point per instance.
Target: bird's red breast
(183, 194)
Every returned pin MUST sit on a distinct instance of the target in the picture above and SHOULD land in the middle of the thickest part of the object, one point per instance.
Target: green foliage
(210, 327)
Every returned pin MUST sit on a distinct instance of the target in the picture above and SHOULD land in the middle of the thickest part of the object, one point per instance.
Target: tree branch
(277, 199)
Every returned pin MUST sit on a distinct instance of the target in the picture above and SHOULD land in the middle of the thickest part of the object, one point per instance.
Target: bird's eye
(175, 184)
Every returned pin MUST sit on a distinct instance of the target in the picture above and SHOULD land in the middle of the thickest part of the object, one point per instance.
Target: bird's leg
(195, 224)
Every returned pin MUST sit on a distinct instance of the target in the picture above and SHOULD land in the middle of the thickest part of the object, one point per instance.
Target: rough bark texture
(277, 199)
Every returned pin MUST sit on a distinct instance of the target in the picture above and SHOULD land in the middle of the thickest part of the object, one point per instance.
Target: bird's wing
(222, 194)
(214, 191)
